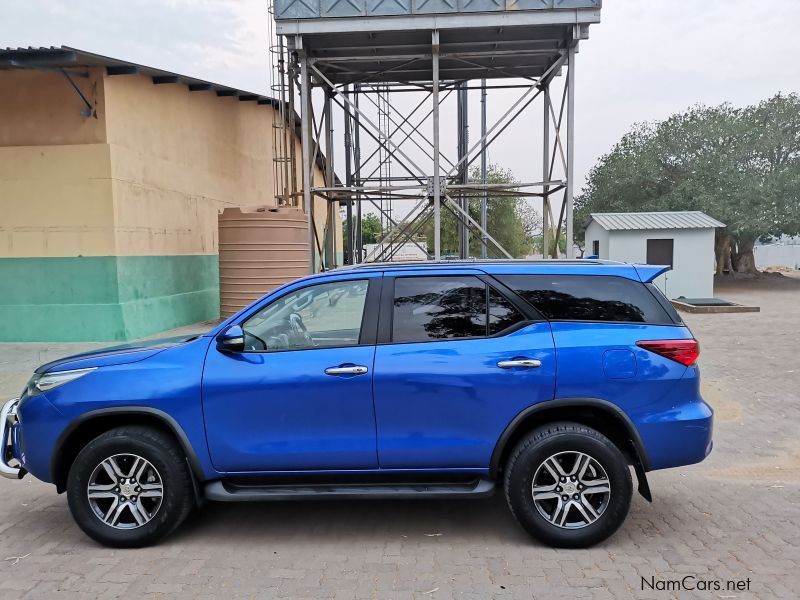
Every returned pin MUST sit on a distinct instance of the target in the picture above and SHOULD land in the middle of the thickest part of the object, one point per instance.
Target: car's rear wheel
(568, 485)
(130, 487)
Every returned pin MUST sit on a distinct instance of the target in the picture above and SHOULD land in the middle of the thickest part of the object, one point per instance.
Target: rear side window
(502, 313)
(589, 298)
(448, 307)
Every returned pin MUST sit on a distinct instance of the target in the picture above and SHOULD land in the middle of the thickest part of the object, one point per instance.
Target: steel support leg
(463, 171)
(485, 194)
(437, 198)
(331, 214)
(348, 180)
(570, 192)
(546, 225)
(359, 239)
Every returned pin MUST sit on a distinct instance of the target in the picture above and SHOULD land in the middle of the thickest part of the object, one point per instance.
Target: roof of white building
(688, 219)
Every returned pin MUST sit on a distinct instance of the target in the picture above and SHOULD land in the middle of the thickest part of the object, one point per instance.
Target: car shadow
(356, 520)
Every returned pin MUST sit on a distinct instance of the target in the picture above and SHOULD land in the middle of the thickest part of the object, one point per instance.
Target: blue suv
(549, 380)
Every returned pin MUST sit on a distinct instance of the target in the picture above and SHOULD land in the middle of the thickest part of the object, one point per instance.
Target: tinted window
(502, 313)
(588, 298)
(665, 304)
(322, 315)
(437, 308)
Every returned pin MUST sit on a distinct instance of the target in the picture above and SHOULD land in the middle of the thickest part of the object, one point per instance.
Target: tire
(134, 513)
(570, 523)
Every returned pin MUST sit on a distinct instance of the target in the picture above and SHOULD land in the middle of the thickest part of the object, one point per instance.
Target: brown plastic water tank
(260, 248)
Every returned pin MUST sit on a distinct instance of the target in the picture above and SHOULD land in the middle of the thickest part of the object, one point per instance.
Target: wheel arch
(91, 424)
(602, 415)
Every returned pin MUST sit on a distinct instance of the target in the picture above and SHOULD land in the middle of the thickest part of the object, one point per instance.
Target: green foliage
(509, 220)
(741, 166)
(370, 228)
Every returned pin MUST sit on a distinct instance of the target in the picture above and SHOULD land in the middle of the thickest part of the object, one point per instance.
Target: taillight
(682, 351)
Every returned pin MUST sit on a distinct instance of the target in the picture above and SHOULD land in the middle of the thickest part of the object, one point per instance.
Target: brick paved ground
(735, 516)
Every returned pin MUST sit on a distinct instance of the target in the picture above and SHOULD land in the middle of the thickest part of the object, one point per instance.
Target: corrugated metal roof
(66, 57)
(688, 219)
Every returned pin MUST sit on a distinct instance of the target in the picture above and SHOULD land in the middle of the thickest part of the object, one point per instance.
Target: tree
(371, 229)
(510, 221)
(741, 166)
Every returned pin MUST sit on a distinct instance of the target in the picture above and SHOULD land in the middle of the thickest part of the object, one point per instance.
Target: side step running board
(228, 492)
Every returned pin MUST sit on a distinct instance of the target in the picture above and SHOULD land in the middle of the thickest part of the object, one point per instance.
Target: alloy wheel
(125, 491)
(571, 490)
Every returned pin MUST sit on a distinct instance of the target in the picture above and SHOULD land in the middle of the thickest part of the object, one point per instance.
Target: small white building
(683, 240)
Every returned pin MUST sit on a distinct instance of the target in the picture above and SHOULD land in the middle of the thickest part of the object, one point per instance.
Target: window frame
(369, 318)
(669, 314)
(386, 317)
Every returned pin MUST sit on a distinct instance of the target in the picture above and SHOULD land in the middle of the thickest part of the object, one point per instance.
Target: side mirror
(231, 340)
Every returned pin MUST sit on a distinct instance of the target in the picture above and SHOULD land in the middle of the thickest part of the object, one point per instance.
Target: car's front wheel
(130, 487)
(568, 485)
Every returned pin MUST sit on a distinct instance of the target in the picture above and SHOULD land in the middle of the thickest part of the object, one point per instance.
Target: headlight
(42, 382)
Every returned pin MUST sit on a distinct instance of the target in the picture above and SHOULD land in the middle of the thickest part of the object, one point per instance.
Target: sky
(645, 61)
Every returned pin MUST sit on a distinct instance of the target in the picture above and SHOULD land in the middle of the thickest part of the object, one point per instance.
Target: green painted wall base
(104, 298)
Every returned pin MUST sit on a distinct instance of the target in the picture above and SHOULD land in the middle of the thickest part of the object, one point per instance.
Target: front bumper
(8, 425)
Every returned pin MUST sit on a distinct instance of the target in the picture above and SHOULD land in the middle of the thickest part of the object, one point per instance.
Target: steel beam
(348, 102)
(465, 215)
(435, 22)
(397, 230)
(533, 89)
(305, 151)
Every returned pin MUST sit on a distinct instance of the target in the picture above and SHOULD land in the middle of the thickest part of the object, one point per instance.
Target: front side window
(589, 298)
(324, 315)
(448, 307)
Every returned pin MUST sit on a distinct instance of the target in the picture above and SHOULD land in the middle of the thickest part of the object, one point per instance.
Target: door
(457, 360)
(300, 395)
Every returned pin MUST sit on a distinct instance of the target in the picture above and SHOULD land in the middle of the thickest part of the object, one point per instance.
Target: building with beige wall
(111, 179)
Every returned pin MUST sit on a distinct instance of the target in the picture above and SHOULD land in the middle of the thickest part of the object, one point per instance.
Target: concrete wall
(177, 158)
(693, 272)
(777, 255)
(41, 108)
(114, 217)
(56, 201)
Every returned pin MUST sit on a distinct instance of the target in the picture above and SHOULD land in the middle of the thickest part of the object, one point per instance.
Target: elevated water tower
(367, 58)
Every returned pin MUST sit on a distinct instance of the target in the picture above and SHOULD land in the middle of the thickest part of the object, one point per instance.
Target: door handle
(349, 370)
(529, 363)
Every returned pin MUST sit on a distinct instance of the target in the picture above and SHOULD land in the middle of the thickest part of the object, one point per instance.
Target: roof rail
(477, 261)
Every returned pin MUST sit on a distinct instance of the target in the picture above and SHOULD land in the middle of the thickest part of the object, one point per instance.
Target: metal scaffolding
(383, 84)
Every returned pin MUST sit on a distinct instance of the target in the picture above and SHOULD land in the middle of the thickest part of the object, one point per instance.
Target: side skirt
(225, 491)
